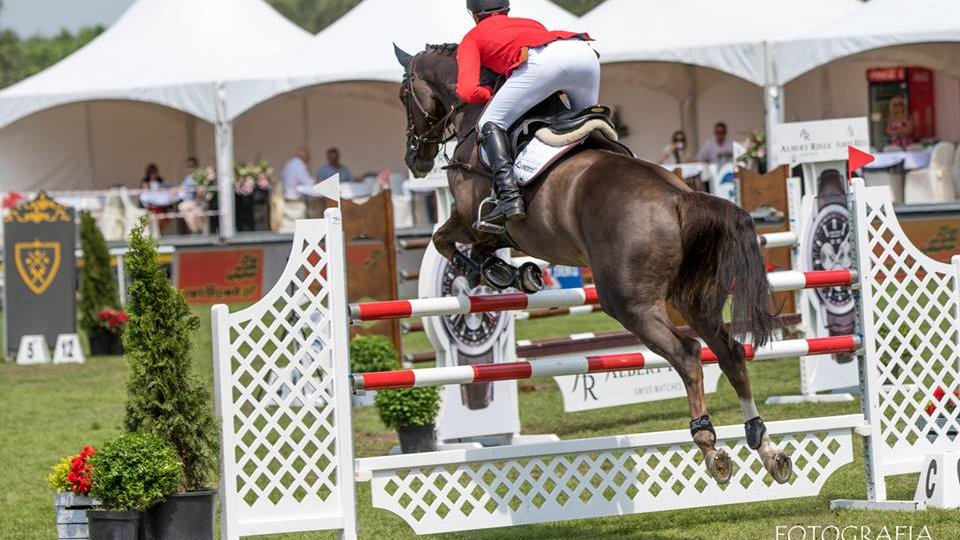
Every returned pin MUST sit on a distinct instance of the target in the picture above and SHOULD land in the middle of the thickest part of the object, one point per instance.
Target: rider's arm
(468, 79)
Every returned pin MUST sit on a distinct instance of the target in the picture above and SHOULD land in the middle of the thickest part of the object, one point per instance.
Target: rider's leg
(530, 84)
(581, 81)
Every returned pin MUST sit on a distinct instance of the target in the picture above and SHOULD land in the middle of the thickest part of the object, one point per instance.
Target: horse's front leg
(445, 240)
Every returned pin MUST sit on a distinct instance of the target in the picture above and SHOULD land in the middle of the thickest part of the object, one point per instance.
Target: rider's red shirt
(499, 43)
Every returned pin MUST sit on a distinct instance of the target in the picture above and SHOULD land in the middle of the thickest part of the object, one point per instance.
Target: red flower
(80, 472)
(112, 319)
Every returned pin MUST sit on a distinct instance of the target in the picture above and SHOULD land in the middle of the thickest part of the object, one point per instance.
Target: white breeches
(570, 66)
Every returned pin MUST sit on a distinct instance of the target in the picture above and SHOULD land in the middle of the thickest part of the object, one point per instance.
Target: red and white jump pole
(409, 378)
(561, 298)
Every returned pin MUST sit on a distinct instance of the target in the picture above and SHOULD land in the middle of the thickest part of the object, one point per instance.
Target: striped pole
(409, 378)
(778, 239)
(560, 298)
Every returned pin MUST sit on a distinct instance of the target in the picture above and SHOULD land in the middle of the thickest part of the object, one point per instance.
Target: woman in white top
(675, 152)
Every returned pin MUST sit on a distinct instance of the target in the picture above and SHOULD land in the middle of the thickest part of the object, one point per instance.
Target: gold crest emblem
(38, 263)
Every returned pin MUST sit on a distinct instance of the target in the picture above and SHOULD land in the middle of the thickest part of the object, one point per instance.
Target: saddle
(547, 134)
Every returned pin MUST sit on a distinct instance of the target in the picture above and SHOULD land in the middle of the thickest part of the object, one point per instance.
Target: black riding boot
(509, 201)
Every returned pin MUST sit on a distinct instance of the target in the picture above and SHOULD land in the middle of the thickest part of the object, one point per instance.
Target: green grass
(50, 411)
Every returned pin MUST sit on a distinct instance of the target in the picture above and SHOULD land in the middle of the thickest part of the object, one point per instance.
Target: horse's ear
(404, 58)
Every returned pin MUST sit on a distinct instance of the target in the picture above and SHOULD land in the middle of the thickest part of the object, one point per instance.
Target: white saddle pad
(534, 158)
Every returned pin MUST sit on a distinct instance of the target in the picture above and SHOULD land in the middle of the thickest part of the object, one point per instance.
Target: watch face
(472, 333)
(830, 249)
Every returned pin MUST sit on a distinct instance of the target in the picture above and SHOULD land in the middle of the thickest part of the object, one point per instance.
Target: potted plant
(251, 184)
(368, 354)
(412, 412)
(98, 291)
(164, 396)
(71, 480)
(129, 474)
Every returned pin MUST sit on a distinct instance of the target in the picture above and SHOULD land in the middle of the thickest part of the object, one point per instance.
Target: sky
(48, 17)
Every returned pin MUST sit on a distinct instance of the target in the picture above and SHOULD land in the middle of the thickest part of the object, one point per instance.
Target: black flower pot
(105, 343)
(183, 516)
(417, 439)
(107, 525)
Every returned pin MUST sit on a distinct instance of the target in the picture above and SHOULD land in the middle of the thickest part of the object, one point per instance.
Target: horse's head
(428, 94)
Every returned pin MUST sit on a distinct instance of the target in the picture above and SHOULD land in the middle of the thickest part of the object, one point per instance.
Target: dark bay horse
(647, 237)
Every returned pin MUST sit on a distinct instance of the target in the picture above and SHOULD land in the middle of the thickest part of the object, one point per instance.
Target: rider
(538, 63)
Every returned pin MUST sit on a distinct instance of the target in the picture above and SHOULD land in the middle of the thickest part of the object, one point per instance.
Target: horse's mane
(445, 48)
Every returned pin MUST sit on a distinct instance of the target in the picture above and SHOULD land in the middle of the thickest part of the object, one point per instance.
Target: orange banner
(221, 276)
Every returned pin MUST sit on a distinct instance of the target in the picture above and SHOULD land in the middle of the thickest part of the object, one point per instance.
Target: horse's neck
(466, 128)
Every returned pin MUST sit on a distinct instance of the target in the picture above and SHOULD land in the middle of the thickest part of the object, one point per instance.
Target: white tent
(359, 46)
(689, 63)
(342, 88)
(825, 72)
(73, 125)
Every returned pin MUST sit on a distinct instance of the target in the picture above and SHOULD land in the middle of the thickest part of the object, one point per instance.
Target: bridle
(437, 132)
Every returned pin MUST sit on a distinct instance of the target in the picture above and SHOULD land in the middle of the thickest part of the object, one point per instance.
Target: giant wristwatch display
(829, 246)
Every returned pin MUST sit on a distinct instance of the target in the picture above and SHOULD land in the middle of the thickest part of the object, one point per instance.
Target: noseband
(436, 133)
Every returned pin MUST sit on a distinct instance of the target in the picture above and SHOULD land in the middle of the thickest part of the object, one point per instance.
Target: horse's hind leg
(650, 323)
(730, 356)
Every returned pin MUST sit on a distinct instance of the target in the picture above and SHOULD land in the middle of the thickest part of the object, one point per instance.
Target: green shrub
(98, 287)
(372, 353)
(134, 472)
(164, 396)
(408, 407)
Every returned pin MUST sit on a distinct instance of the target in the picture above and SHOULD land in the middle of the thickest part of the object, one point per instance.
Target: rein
(437, 132)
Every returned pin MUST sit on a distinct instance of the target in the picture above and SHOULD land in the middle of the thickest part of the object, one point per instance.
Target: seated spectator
(333, 167)
(152, 179)
(717, 149)
(189, 207)
(295, 175)
(155, 195)
(676, 152)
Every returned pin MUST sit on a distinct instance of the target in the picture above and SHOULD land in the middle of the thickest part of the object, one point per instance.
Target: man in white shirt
(717, 149)
(294, 175)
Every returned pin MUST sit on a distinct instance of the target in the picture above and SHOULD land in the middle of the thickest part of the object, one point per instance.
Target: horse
(647, 237)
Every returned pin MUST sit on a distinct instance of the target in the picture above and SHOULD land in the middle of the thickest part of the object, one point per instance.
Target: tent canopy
(878, 25)
(359, 46)
(167, 52)
(726, 36)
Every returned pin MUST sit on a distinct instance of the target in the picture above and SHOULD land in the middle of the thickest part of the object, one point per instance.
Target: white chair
(891, 177)
(935, 183)
(916, 147)
(956, 171)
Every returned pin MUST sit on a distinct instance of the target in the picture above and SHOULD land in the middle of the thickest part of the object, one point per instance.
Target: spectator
(333, 167)
(152, 179)
(189, 207)
(295, 175)
(188, 187)
(154, 195)
(676, 152)
(717, 149)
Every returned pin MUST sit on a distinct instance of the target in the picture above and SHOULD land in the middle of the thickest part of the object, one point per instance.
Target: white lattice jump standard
(578, 365)
(283, 400)
(560, 298)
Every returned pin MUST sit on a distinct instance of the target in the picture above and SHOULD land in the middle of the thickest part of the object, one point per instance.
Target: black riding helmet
(482, 7)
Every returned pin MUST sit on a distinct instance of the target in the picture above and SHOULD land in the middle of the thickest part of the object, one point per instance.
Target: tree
(164, 396)
(98, 289)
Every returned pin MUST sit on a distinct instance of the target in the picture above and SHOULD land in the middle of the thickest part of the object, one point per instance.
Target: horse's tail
(721, 257)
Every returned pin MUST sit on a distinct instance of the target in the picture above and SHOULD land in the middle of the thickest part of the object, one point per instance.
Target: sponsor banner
(221, 276)
(39, 271)
(587, 392)
(820, 141)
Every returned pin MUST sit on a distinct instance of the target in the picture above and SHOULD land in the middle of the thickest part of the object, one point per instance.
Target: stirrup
(486, 226)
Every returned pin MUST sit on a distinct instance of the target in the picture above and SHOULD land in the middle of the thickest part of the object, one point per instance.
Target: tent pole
(223, 133)
(772, 97)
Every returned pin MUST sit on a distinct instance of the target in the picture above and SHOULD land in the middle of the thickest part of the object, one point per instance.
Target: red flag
(858, 159)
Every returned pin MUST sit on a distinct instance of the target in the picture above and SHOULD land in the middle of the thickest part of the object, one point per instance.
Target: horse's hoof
(531, 278)
(720, 467)
(497, 274)
(780, 467)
